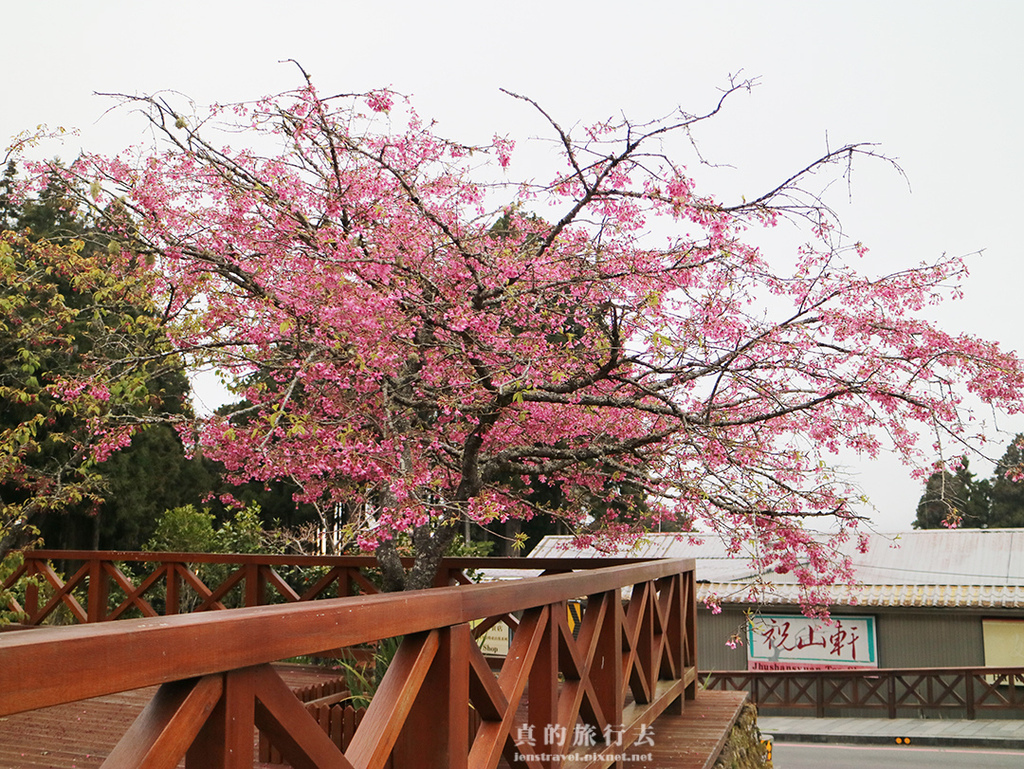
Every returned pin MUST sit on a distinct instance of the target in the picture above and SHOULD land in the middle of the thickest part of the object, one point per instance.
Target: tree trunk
(429, 547)
(392, 571)
(96, 521)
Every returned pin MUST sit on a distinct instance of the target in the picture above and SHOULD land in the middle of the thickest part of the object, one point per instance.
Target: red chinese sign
(778, 642)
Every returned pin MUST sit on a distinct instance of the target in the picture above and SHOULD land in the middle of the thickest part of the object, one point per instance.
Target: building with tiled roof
(936, 598)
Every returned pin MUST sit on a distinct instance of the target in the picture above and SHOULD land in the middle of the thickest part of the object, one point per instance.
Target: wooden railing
(106, 585)
(626, 664)
(896, 691)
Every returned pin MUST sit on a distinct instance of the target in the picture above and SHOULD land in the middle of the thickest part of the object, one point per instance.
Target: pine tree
(1007, 490)
(954, 500)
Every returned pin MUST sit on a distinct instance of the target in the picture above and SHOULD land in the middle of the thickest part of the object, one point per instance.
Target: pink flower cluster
(421, 340)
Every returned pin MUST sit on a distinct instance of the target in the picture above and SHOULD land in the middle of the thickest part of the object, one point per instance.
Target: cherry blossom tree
(417, 335)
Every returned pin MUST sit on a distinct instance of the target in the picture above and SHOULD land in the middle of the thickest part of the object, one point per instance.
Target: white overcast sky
(938, 84)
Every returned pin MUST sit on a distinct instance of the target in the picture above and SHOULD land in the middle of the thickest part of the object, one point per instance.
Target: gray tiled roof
(960, 567)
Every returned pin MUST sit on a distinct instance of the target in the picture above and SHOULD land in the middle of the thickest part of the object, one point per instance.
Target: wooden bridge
(620, 690)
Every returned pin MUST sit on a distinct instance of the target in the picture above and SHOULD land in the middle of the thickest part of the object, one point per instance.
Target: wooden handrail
(468, 562)
(190, 645)
(625, 665)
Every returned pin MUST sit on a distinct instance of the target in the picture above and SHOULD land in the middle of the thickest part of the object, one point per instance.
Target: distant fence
(86, 586)
(895, 691)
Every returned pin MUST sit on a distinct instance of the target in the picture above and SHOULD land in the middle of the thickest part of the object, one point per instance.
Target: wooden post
(543, 706)
(969, 694)
(172, 601)
(98, 591)
(606, 670)
(689, 590)
(645, 643)
(436, 730)
(255, 585)
(31, 590)
(227, 739)
(677, 636)
(891, 695)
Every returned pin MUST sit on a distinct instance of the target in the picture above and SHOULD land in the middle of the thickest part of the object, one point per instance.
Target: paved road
(798, 755)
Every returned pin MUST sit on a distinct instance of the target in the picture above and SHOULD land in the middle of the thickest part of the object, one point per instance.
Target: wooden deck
(80, 735)
(694, 739)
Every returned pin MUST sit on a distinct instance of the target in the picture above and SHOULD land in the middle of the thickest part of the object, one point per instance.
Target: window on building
(1004, 642)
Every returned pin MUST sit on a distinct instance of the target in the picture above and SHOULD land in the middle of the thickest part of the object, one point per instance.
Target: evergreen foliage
(84, 367)
(1007, 507)
(60, 266)
(961, 500)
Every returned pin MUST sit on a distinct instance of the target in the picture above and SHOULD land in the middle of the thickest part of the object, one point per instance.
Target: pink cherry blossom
(417, 335)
